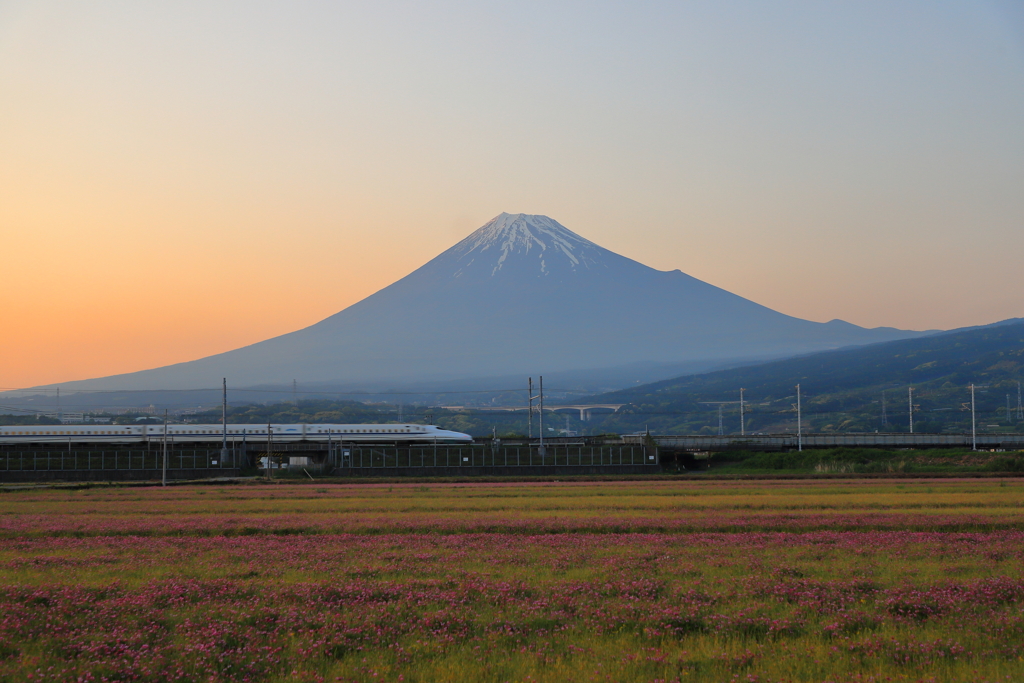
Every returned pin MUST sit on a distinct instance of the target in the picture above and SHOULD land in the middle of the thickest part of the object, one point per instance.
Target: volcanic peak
(521, 234)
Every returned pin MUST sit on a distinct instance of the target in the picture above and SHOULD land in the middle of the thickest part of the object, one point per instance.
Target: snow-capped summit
(545, 242)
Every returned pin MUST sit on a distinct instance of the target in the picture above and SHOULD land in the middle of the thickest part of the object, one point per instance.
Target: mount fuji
(521, 295)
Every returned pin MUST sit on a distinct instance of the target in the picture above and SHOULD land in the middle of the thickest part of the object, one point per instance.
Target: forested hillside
(846, 390)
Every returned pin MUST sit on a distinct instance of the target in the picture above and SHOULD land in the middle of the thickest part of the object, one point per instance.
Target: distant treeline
(27, 420)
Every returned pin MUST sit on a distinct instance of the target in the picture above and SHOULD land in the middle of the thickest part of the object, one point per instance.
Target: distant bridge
(585, 410)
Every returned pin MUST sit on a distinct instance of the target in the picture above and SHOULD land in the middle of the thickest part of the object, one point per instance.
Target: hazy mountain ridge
(842, 389)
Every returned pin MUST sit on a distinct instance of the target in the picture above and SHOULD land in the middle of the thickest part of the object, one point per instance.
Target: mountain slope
(522, 294)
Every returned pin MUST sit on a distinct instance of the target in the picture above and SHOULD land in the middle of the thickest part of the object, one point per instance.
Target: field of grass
(670, 580)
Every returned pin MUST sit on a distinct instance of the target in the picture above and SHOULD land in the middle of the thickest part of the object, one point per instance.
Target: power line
(318, 393)
(484, 410)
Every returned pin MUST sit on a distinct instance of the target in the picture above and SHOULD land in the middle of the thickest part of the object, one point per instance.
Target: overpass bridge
(785, 442)
(585, 410)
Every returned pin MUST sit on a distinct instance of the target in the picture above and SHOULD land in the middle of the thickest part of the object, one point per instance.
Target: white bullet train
(194, 433)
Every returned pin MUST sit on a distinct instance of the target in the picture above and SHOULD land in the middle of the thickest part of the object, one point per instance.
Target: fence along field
(649, 581)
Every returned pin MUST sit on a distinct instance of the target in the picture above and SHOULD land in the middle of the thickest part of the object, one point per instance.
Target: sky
(181, 179)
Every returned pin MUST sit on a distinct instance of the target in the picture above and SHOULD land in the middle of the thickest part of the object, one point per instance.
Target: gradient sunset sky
(183, 178)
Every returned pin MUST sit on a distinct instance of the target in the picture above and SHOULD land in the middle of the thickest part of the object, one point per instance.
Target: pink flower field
(610, 581)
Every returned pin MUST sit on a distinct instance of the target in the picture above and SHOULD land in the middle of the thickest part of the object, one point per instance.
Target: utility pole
(910, 401)
(224, 424)
(270, 451)
(799, 422)
(541, 417)
(974, 425)
(529, 396)
(164, 478)
(743, 420)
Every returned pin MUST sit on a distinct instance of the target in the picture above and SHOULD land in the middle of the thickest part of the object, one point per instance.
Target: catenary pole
(743, 418)
(529, 394)
(799, 422)
(224, 424)
(910, 407)
(270, 451)
(541, 417)
(974, 425)
(164, 477)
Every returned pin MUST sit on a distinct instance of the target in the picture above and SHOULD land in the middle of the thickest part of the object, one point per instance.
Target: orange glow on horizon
(179, 180)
